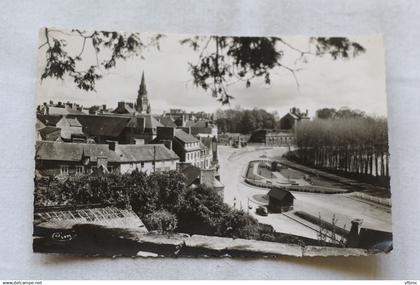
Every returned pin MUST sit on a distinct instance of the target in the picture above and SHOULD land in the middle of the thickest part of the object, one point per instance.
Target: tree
(350, 143)
(201, 212)
(348, 113)
(244, 121)
(170, 186)
(247, 122)
(222, 60)
(326, 113)
(108, 47)
(238, 224)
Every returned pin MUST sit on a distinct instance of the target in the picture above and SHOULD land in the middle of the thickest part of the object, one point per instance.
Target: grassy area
(250, 174)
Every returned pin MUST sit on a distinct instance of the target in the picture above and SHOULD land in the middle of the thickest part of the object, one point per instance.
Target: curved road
(233, 166)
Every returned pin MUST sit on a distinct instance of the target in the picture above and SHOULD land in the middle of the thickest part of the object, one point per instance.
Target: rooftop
(139, 153)
(60, 151)
(184, 137)
(279, 194)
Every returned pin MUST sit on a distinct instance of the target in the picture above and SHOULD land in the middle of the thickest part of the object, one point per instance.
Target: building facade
(72, 159)
(294, 116)
(146, 158)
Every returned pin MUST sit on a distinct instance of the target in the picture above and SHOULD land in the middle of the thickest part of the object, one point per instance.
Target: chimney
(167, 143)
(184, 120)
(139, 141)
(165, 133)
(121, 104)
(353, 237)
(112, 145)
(207, 177)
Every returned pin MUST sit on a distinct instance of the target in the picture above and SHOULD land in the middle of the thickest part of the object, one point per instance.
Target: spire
(142, 89)
(142, 103)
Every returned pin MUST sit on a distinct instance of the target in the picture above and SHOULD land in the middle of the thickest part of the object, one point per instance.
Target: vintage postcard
(196, 145)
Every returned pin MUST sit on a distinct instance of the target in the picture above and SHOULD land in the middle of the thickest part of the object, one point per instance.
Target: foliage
(161, 221)
(344, 113)
(244, 121)
(108, 48)
(161, 200)
(238, 224)
(222, 59)
(349, 142)
(201, 212)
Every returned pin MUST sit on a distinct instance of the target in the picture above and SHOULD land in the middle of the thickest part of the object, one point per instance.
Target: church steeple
(142, 103)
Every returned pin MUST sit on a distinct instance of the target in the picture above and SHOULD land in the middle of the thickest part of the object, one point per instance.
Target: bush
(161, 221)
(238, 224)
(201, 212)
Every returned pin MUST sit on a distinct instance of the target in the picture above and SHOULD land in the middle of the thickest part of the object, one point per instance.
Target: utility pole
(154, 159)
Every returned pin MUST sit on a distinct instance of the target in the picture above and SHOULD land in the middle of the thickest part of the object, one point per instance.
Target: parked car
(262, 211)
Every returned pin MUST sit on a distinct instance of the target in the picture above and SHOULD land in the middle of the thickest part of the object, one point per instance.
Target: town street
(238, 194)
(233, 165)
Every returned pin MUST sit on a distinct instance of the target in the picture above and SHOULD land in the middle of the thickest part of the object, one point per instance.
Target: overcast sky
(357, 83)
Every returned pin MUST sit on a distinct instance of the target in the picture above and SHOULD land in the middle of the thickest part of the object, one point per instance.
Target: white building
(147, 158)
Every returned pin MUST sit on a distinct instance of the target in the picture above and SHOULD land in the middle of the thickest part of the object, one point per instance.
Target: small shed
(280, 200)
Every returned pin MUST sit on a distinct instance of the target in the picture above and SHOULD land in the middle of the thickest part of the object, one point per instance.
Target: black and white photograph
(177, 145)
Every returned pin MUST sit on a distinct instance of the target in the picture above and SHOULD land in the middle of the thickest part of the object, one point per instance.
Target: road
(233, 166)
(238, 194)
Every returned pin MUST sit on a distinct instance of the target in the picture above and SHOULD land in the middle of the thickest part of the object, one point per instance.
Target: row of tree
(245, 121)
(161, 200)
(354, 143)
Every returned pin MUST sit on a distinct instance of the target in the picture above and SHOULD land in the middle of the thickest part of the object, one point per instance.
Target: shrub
(161, 221)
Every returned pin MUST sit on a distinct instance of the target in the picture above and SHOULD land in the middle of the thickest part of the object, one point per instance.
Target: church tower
(142, 103)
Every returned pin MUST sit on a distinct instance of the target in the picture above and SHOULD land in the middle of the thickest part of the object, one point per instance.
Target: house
(71, 130)
(49, 120)
(125, 108)
(194, 176)
(146, 158)
(280, 200)
(186, 146)
(206, 156)
(104, 128)
(166, 122)
(272, 137)
(294, 116)
(49, 133)
(61, 158)
(60, 109)
(211, 144)
(202, 128)
(179, 116)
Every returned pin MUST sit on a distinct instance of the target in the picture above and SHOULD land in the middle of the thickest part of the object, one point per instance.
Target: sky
(358, 83)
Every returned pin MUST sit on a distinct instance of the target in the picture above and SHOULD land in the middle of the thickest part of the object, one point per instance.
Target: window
(64, 169)
(142, 164)
(79, 169)
(92, 169)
